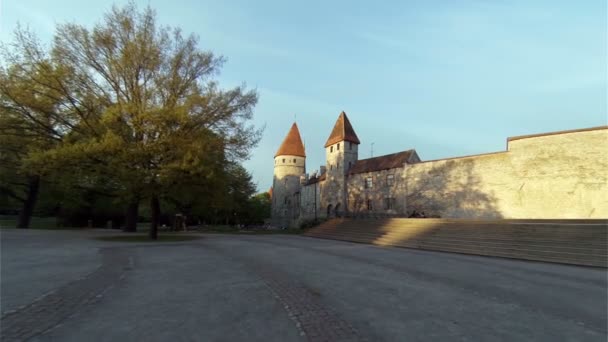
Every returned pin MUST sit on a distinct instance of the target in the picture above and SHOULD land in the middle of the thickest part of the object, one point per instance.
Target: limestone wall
(310, 205)
(381, 190)
(550, 176)
(340, 157)
(286, 188)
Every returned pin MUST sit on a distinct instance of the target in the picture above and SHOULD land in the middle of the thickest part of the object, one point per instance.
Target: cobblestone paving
(314, 321)
(52, 309)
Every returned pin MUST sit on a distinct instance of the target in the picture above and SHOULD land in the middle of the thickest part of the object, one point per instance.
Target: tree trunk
(155, 210)
(25, 215)
(131, 216)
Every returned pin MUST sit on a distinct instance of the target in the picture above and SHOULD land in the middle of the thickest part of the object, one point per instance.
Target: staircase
(579, 242)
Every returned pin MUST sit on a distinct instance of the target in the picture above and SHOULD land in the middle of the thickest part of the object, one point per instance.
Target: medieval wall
(340, 157)
(286, 188)
(549, 176)
(310, 202)
(381, 191)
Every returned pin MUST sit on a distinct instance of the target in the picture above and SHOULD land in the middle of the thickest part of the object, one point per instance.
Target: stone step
(568, 258)
(540, 245)
(551, 241)
(473, 236)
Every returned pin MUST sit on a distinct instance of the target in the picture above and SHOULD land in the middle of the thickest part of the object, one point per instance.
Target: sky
(448, 78)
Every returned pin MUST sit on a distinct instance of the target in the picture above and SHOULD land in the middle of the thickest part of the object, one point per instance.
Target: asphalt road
(64, 286)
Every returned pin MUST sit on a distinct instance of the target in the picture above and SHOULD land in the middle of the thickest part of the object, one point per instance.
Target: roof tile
(389, 161)
(343, 130)
(292, 145)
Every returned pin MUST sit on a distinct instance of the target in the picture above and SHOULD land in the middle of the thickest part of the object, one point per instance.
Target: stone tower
(289, 165)
(342, 152)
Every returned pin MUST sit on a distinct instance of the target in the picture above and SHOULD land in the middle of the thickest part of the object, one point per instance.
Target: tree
(138, 103)
(17, 183)
(25, 129)
(259, 208)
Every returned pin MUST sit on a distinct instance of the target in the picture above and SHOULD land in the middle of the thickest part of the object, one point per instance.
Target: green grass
(244, 231)
(35, 223)
(145, 238)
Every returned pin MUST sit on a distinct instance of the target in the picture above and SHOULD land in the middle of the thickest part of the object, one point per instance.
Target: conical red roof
(292, 145)
(343, 130)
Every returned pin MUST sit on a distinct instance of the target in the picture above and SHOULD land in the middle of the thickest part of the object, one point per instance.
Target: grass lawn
(171, 237)
(235, 230)
(35, 223)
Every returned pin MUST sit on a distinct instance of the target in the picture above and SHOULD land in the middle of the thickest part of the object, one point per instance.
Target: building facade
(552, 175)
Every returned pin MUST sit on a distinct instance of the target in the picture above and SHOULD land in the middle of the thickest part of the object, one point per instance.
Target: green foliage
(128, 110)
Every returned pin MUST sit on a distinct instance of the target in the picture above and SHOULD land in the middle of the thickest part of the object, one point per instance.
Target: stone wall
(339, 157)
(310, 205)
(547, 176)
(378, 194)
(286, 188)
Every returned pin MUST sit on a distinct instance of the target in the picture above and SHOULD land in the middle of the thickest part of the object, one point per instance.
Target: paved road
(63, 286)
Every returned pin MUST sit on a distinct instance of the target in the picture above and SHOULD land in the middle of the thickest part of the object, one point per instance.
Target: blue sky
(447, 78)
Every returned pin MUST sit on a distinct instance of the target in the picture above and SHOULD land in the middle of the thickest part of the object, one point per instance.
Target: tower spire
(343, 130)
(292, 144)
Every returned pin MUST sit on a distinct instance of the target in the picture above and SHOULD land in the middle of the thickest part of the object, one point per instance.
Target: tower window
(369, 183)
(331, 167)
(283, 160)
(370, 204)
(294, 160)
(390, 180)
(331, 149)
(349, 164)
(350, 145)
(338, 146)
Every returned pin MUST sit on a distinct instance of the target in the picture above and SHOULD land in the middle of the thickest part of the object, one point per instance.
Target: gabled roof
(343, 130)
(292, 145)
(389, 161)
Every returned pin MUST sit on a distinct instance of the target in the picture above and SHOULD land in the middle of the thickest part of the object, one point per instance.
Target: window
(369, 183)
(350, 145)
(331, 167)
(338, 147)
(331, 149)
(283, 160)
(389, 203)
(370, 205)
(349, 164)
(390, 180)
(294, 160)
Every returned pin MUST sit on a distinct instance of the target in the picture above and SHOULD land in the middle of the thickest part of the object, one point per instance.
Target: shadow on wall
(450, 190)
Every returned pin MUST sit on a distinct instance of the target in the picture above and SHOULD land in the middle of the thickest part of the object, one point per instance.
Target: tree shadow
(450, 190)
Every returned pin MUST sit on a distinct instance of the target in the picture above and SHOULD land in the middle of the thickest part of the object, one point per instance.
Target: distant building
(553, 175)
